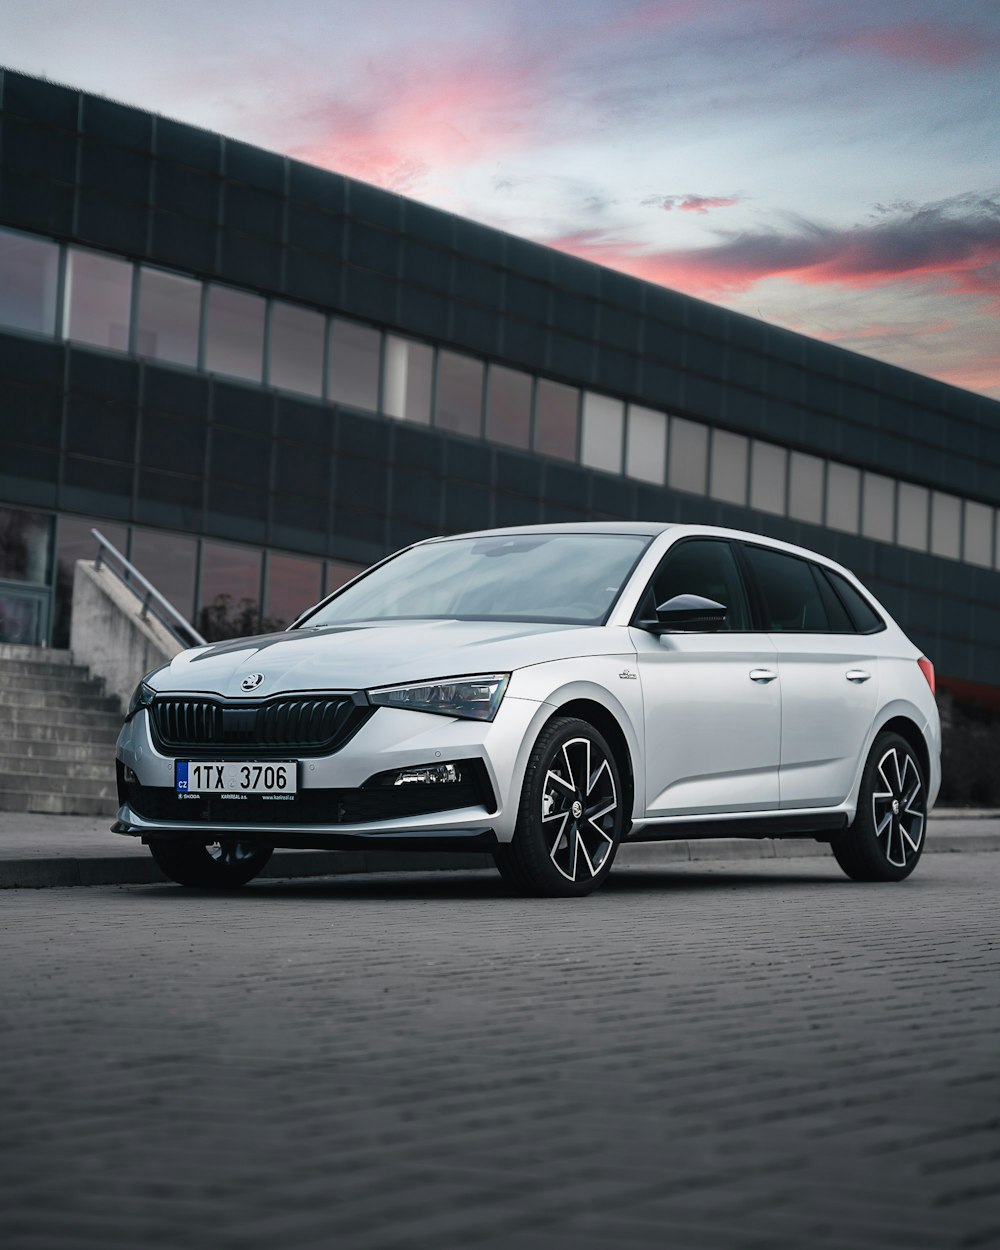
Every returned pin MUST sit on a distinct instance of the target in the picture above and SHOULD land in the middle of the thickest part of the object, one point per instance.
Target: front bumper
(334, 808)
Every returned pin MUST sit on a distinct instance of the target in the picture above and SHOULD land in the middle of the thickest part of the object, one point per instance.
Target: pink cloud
(697, 203)
(955, 248)
(922, 43)
(398, 125)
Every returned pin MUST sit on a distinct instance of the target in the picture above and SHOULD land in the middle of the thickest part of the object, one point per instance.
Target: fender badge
(251, 681)
(627, 675)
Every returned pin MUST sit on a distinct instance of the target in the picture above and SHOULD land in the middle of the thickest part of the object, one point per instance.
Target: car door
(829, 677)
(711, 701)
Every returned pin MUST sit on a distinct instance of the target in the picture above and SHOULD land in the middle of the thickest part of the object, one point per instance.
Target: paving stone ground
(754, 1055)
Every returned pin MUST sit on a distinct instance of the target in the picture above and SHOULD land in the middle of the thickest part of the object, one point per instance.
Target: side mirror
(687, 613)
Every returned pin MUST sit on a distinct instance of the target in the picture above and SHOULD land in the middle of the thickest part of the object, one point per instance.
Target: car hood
(358, 657)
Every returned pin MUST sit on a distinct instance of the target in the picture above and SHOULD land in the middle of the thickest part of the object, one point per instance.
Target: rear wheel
(221, 865)
(570, 817)
(887, 836)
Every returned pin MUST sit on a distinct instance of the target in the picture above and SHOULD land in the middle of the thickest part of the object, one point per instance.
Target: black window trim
(759, 607)
(740, 573)
(831, 582)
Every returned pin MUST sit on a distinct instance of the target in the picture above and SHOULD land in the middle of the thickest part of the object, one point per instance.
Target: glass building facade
(256, 377)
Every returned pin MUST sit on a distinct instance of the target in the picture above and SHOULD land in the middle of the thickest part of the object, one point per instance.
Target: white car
(543, 694)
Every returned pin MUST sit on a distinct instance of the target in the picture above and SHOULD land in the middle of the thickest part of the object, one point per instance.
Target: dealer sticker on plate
(235, 777)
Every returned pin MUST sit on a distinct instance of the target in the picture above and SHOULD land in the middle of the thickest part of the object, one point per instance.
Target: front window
(571, 579)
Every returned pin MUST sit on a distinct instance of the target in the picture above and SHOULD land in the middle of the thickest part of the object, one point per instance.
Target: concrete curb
(44, 873)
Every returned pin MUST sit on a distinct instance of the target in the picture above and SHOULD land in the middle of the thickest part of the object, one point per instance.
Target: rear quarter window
(866, 619)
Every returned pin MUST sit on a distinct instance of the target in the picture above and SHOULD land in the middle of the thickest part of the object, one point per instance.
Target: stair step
(24, 654)
(75, 682)
(45, 731)
(100, 788)
(57, 804)
(60, 672)
(83, 751)
(26, 700)
(102, 769)
(43, 717)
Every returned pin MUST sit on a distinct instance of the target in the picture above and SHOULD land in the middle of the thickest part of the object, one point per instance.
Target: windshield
(565, 578)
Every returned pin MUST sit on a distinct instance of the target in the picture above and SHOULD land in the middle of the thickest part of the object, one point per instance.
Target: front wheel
(570, 817)
(223, 865)
(887, 836)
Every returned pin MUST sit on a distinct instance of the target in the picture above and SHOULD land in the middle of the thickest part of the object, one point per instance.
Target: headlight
(142, 697)
(473, 698)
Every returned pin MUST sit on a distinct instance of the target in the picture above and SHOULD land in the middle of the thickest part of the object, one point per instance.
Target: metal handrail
(152, 600)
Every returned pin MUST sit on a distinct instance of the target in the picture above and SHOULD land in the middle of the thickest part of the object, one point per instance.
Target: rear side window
(866, 619)
(790, 593)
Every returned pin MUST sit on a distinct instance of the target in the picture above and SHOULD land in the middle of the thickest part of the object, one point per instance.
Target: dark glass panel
(229, 592)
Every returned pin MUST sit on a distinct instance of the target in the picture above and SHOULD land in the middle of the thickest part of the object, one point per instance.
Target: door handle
(857, 675)
(763, 675)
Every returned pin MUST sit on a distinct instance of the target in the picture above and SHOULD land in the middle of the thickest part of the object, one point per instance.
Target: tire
(885, 841)
(569, 820)
(224, 865)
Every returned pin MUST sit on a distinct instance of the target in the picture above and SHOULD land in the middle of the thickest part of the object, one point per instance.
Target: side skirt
(819, 825)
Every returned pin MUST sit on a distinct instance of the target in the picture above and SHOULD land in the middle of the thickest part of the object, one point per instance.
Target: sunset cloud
(694, 203)
(953, 245)
(399, 122)
(922, 43)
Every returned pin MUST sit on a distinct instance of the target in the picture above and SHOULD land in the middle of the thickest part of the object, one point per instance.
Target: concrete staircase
(57, 735)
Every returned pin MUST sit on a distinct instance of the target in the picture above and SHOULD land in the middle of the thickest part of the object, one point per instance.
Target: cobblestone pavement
(746, 1055)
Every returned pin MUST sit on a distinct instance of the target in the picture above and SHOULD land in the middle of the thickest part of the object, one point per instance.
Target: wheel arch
(607, 724)
(910, 732)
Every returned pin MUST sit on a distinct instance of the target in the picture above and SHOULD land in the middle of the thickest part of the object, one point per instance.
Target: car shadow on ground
(484, 885)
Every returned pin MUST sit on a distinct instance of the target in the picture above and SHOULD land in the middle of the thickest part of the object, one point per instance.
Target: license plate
(235, 777)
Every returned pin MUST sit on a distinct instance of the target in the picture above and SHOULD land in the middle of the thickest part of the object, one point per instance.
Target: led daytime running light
(469, 698)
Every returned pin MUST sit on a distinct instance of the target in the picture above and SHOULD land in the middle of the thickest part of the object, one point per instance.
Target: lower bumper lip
(475, 837)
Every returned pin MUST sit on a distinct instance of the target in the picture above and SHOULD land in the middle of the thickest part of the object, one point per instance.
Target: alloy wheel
(579, 806)
(898, 806)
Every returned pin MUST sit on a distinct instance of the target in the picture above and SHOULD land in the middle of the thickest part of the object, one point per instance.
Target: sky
(832, 167)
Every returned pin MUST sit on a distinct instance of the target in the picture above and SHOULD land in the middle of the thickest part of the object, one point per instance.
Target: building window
(768, 470)
(339, 574)
(557, 419)
(234, 333)
(98, 300)
(603, 433)
(646, 451)
(29, 282)
(878, 507)
(843, 497)
(687, 466)
(229, 598)
(75, 542)
(805, 487)
(25, 546)
(728, 479)
(946, 525)
(458, 403)
(169, 561)
(407, 379)
(353, 365)
(977, 546)
(508, 407)
(168, 317)
(293, 584)
(912, 506)
(295, 349)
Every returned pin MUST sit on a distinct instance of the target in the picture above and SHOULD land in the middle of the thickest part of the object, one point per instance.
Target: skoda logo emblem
(251, 681)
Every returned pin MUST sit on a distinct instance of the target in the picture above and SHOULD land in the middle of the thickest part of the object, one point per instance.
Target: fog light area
(432, 774)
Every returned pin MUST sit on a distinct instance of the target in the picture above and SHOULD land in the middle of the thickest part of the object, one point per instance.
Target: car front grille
(302, 725)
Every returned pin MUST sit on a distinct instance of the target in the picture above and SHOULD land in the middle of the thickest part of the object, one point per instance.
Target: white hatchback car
(543, 694)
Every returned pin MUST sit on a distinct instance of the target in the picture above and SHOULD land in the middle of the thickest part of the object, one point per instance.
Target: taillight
(927, 668)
